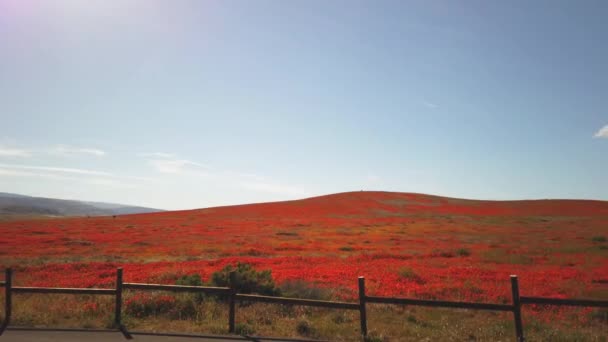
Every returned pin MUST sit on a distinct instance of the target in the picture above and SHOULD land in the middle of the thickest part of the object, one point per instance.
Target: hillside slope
(379, 204)
(14, 204)
(447, 248)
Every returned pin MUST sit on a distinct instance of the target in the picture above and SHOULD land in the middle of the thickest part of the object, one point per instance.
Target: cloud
(14, 152)
(169, 163)
(173, 165)
(602, 133)
(21, 173)
(430, 104)
(110, 182)
(157, 155)
(57, 169)
(71, 178)
(59, 150)
(93, 177)
(64, 150)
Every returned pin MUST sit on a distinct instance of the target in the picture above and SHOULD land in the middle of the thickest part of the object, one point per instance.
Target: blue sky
(185, 104)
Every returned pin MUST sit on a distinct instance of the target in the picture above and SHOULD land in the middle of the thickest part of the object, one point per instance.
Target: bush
(248, 280)
(144, 305)
(305, 328)
(192, 280)
(598, 238)
(442, 254)
(463, 252)
(304, 289)
(409, 274)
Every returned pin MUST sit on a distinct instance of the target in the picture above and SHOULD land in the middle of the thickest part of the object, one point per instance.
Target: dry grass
(385, 322)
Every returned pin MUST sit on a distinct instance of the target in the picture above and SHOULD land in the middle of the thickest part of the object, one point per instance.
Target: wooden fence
(233, 296)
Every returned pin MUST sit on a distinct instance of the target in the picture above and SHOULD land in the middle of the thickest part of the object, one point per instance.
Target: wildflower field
(405, 244)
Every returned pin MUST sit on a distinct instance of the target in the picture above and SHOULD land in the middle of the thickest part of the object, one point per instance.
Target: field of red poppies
(404, 244)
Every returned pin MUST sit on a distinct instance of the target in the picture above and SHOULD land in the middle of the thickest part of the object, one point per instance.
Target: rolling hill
(16, 205)
(404, 244)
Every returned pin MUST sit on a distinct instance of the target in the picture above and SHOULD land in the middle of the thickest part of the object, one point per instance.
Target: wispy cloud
(430, 104)
(157, 155)
(57, 169)
(173, 165)
(22, 173)
(64, 150)
(70, 177)
(111, 183)
(58, 150)
(6, 151)
(602, 133)
(169, 163)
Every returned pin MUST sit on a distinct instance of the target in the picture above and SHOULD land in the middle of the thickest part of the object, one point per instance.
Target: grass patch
(463, 252)
(287, 234)
(500, 256)
(409, 274)
(304, 289)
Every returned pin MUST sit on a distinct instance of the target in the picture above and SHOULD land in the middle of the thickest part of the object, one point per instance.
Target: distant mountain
(15, 204)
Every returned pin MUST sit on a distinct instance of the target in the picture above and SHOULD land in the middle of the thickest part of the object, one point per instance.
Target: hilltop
(381, 204)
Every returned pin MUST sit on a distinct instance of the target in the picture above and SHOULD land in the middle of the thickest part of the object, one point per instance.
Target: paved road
(70, 336)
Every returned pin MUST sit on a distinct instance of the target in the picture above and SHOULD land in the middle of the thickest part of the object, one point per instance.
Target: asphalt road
(79, 336)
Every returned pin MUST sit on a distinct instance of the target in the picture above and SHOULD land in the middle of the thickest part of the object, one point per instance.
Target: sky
(188, 104)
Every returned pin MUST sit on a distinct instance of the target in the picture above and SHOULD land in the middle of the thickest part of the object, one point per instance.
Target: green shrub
(443, 254)
(287, 233)
(305, 328)
(192, 280)
(347, 249)
(463, 252)
(409, 274)
(248, 280)
(145, 305)
(304, 289)
(598, 238)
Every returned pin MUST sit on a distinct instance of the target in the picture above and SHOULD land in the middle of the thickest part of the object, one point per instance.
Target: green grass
(598, 238)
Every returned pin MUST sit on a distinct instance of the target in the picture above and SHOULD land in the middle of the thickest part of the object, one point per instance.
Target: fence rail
(59, 290)
(233, 296)
(298, 301)
(178, 288)
(440, 303)
(565, 302)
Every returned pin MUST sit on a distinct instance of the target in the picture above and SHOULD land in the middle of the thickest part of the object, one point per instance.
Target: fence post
(232, 299)
(8, 285)
(118, 307)
(519, 331)
(362, 311)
